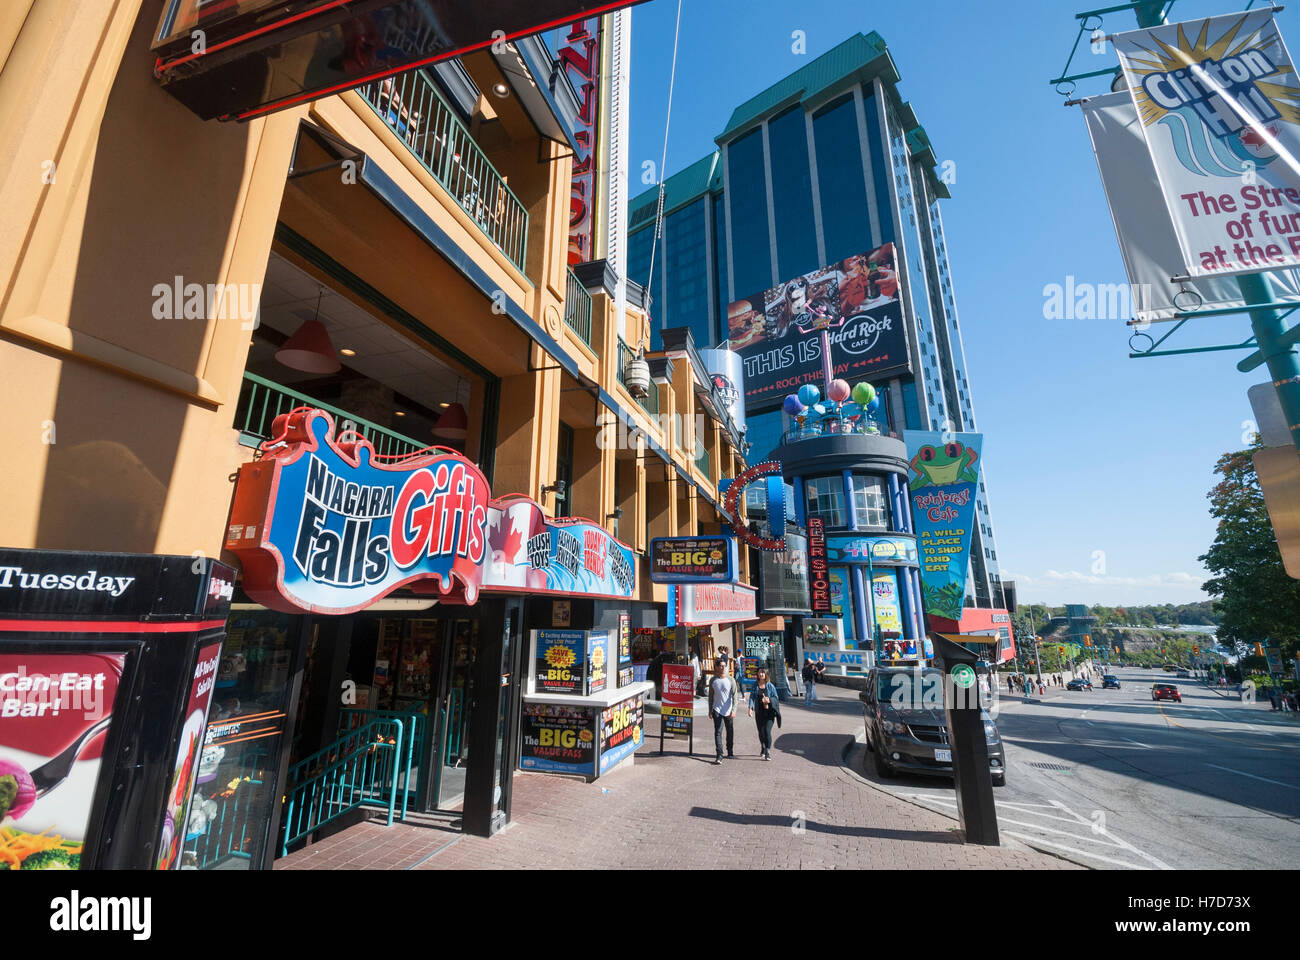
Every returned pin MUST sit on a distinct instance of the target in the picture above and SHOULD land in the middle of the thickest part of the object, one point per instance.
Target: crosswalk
(1055, 828)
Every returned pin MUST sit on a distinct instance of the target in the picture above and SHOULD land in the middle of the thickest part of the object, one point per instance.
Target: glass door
(453, 714)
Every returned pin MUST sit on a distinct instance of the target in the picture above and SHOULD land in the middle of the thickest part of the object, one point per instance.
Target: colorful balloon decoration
(809, 394)
(864, 393)
(793, 405)
(874, 405)
(838, 390)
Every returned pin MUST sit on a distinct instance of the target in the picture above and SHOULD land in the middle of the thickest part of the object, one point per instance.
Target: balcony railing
(413, 110)
(650, 402)
(838, 426)
(577, 308)
(702, 461)
(261, 401)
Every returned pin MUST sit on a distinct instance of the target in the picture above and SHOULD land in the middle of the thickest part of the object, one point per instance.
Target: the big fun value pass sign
(943, 480)
(1219, 105)
(323, 525)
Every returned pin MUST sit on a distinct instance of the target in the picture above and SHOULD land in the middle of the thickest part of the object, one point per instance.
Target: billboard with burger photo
(778, 332)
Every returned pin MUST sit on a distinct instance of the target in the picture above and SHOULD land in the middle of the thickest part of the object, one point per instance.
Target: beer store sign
(692, 560)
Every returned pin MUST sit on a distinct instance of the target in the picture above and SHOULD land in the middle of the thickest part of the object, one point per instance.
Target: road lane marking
(1242, 773)
(1083, 853)
(1142, 745)
(1097, 828)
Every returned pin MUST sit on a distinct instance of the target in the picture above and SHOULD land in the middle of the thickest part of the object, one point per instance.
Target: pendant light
(453, 424)
(310, 349)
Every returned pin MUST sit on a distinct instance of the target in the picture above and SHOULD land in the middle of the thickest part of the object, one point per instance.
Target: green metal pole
(1282, 359)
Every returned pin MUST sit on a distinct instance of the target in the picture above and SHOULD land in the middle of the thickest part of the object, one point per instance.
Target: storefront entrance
(418, 668)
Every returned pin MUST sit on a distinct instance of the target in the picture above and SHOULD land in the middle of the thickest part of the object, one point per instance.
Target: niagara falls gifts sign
(321, 524)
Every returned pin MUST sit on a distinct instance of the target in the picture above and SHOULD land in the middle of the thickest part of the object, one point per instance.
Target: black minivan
(907, 728)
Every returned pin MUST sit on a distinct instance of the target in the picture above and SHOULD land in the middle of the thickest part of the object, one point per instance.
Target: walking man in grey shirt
(722, 708)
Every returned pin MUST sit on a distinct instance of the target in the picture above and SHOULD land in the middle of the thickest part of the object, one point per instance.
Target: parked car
(1079, 684)
(1182, 673)
(907, 727)
(1110, 682)
(1166, 691)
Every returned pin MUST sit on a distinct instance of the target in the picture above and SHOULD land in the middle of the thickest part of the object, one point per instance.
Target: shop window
(870, 501)
(826, 500)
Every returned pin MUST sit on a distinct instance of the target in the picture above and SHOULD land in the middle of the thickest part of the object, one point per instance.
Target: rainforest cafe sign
(321, 525)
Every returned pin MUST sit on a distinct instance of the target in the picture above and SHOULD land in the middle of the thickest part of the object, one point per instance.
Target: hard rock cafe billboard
(777, 333)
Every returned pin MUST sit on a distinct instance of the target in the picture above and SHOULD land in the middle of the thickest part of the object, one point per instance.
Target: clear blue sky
(1086, 449)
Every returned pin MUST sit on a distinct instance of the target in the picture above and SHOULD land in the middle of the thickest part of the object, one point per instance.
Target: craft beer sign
(1219, 104)
(321, 525)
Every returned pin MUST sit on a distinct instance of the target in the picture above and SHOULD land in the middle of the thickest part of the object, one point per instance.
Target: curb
(1006, 843)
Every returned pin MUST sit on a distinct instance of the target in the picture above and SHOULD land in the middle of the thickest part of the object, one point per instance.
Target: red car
(1166, 691)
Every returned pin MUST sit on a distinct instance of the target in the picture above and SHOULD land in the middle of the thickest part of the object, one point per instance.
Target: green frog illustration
(953, 464)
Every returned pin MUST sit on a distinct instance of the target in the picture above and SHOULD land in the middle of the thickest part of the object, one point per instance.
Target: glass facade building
(827, 163)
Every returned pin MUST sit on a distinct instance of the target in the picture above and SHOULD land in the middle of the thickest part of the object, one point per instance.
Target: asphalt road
(1114, 780)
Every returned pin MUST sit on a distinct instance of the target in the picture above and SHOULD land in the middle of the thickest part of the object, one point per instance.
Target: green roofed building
(822, 188)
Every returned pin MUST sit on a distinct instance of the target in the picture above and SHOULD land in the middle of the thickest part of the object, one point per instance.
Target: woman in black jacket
(763, 699)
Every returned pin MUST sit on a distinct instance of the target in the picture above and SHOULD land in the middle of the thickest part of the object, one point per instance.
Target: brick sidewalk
(801, 810)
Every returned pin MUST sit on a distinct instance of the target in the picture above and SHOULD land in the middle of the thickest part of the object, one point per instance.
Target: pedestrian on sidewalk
(764, 701)
(697, 677)
(723, 695)
(810, 681)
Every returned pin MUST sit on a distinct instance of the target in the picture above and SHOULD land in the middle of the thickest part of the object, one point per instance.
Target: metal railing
(359, 768)
(650, 402)
(261, 401)
(577, 307)
(230, 831)
(702, 461)
(836, 426)
(415, 725)
(412, 108)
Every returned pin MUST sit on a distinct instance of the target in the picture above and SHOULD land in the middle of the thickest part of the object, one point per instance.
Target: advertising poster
(1219, 104)
(1146, 235)
(692, 560)
(597, 661)
(621, 732)
(187, 758)
(778, 332)
(784, 577)
(769, 647)
(749, 673)
(821, 634)
(561, 613)
(884, 602)
(558, 738)
(678, 690)
(52, 705)
(624, 640)
(943, 477)
(561, 659)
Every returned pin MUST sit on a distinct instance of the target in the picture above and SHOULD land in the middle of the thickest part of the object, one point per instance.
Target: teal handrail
(415, 724)
(357, 768)
(261, 401)
(413, 109)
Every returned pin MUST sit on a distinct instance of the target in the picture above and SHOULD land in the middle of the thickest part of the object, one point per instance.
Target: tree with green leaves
(1252, 593)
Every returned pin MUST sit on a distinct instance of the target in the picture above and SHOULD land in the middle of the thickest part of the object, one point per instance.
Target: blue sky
(1097, 465)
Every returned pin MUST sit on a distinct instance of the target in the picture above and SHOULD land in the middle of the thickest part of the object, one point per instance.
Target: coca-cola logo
(861, 333)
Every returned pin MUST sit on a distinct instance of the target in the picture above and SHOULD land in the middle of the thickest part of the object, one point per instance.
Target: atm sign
(692, 560)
